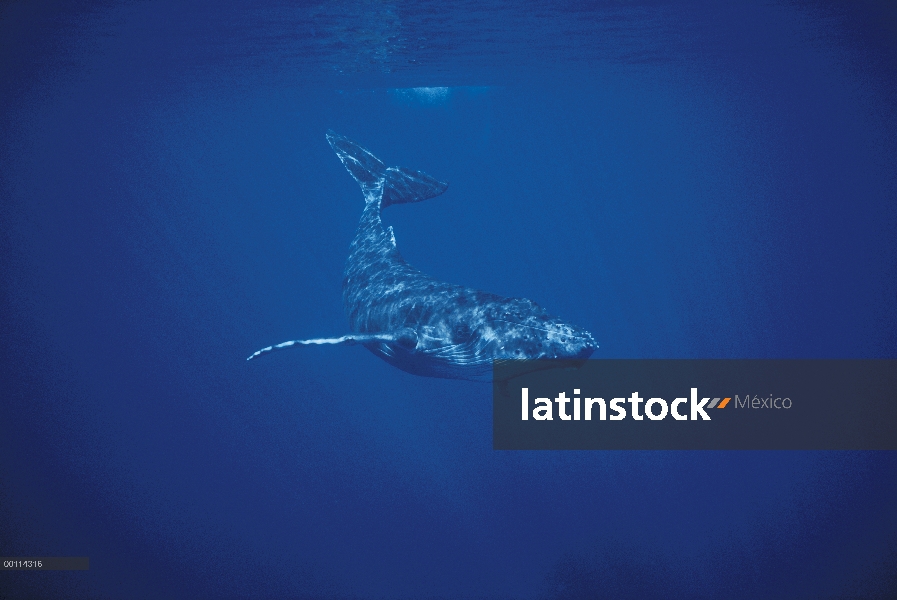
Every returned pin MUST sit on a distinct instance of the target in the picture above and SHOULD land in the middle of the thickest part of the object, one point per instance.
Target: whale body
(416, 323)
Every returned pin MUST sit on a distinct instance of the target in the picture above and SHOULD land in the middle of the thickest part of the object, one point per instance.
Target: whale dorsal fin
(403, 336)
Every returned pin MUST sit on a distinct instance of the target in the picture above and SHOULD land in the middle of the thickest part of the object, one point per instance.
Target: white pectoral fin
(346, 340)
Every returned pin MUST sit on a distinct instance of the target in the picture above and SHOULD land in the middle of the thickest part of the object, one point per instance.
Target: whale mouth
(584, 353)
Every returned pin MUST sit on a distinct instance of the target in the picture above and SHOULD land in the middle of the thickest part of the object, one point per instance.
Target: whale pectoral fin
(404, 336)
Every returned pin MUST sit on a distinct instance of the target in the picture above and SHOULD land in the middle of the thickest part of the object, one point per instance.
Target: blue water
(681, 179)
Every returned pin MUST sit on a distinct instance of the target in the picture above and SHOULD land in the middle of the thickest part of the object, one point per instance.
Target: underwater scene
(181, 186)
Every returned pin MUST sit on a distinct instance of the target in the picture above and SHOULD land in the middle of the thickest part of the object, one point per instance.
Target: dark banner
(45, 563)
(695, 405)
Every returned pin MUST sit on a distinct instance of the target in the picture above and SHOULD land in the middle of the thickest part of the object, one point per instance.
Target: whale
(419, 324)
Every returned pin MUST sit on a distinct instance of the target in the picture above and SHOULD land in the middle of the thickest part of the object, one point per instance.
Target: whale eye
(461, 331)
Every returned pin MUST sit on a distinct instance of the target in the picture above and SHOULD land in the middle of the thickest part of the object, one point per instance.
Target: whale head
(551, 340)
(523, 331)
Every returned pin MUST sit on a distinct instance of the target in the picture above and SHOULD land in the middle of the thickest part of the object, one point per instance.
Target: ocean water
(684, 180)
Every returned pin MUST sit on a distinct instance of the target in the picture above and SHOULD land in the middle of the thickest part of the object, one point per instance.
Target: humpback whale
(416, 323)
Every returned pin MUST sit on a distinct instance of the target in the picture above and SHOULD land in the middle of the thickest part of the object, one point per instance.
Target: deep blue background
(683, 180)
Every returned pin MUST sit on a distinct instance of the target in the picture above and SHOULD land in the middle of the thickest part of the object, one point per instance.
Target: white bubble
(423, 95)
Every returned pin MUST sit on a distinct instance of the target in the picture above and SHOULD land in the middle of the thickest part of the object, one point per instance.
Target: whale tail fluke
(389, 185)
